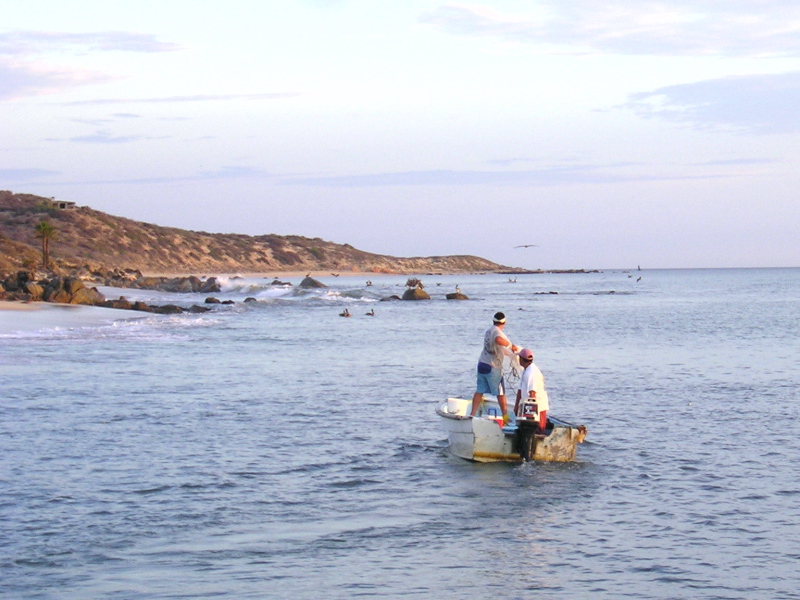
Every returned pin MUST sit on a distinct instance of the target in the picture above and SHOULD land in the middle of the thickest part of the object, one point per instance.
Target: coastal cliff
(85, 236)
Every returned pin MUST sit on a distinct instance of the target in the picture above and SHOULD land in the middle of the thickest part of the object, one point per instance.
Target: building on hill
(62, 204)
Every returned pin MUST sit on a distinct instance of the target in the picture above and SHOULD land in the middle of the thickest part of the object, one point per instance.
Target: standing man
(496, 345)
(531, 386)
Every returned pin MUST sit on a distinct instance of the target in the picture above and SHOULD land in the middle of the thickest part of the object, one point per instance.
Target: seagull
(527, 246)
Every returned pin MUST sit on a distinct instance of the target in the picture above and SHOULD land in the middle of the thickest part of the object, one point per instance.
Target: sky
(603, 135)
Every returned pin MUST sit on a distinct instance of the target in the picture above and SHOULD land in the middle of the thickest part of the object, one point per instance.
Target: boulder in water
(416, 294)
(456, 296)
(310, 282)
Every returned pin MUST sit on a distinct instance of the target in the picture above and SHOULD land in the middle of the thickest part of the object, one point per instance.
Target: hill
(89, 237)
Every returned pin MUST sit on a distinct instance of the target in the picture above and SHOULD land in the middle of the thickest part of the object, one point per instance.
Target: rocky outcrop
(310, 282)
(456, 296)
(415, 290)
(415, 293)
(21, 286)
(70, 290)
(35, 290)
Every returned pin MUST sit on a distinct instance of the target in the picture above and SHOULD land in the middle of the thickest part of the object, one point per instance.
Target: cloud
(740, 162)
(27, 43)
(23, 175)
(180, 99)
(104, 137)
(19, 81)
(546, 176)
(224, 173)
(763, 104)
(636, 27)
(23, 72)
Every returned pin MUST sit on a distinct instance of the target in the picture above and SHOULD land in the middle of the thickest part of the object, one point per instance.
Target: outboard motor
(527, 432)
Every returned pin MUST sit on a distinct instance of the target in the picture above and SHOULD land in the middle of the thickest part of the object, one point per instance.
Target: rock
(416, 294)
(168, 309)
(456, 296)
(310, 282)
(250, 299)
(83, 296)
(390, 298)
(35, 290)
(51, 287)
(17, 281)
(10, 284)
(148, 283)
(195, 308)
(181, 285)
(121, 303)
(59, 296)
(210, 286)
(279, 282)
(195, 283)
(211, 300)
(141, 306)
(228, 302)
(72, 285)
(98, 296)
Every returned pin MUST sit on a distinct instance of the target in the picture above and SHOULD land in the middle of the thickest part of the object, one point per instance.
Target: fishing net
(512, 371)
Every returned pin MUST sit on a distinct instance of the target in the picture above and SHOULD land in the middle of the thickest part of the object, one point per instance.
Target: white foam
(58, 317)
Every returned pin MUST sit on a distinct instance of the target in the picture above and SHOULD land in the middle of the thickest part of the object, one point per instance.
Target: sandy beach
(16, 306)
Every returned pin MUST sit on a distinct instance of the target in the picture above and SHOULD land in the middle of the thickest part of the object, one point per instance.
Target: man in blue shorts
(490, 365)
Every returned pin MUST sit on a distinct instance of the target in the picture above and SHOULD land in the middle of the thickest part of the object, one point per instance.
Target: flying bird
(527, 246)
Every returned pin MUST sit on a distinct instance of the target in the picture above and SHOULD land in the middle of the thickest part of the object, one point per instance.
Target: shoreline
(302, 274)
(21, 305)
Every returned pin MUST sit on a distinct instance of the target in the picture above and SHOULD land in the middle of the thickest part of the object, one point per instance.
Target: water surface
(276, 450)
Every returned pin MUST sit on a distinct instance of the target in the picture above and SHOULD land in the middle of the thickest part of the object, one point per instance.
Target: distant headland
(79, 240)
(87, 238)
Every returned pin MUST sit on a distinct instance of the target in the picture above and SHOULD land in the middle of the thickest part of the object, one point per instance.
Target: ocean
(276, 450)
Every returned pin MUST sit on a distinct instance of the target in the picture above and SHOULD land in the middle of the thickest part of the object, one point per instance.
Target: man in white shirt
(531, 388)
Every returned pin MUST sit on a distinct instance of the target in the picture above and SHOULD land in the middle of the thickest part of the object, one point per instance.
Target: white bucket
(457, 406)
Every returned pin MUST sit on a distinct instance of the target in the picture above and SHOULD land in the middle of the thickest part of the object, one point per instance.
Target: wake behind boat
(484, 439)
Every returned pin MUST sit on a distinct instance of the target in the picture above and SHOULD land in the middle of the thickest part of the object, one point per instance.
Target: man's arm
(504, 341)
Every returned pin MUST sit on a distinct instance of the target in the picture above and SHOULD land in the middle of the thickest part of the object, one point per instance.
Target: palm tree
(46, 232)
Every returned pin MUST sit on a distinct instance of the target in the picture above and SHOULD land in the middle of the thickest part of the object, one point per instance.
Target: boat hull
(482, 438)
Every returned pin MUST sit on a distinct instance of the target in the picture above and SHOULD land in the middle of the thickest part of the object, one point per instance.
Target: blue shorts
(491, 383)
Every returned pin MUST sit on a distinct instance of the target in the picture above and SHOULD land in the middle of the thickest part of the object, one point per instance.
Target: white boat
(484, 439)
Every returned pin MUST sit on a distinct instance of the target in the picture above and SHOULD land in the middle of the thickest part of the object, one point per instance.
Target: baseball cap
(526, 353)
